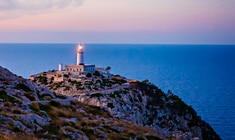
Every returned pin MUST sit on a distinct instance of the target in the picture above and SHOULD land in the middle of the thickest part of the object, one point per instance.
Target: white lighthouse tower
(80, 60)
(80, 67)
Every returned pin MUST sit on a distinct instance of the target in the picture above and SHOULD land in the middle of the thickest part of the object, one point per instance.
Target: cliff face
(32, 111)
(100, 109)
(16, 96)
(146, 105)
(139, 102)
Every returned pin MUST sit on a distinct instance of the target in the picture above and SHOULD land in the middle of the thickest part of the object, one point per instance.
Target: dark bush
(108, 68)
(44, 96)
(45, 107)
(97, 95)
(97, 111)
(52, 78)
(110, 105)
(6, 97)
(66, 75)
(23, 87)
(88, 75)
(55, 103)
(152, 138)
(16, 111)
(61, 96)
(66, 88)
(96, 73)
(30, 96)
(52, 129)
(43, 79)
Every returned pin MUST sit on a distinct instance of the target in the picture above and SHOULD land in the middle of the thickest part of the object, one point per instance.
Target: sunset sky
(118, 21)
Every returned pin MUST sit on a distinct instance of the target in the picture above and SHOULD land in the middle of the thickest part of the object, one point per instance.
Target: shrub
(96, 111)
(61, 96)
(88, 132)
(52, 78)
(110, 105)
(96, 73)
(55, 103)
(115, 94)
(47, 97)
(30, 96)
(97, 95)
(6, 97)
(119, 81)
(78, 85)
(70, 129)
(66, 88)
(7, 104)
(52, 129)
(145, 81)
(16, 129)
(152, 137)
(34, 106)
(43, 79)
(108, 68)
(88, 75)
(17, 111)
(45, 107)
(140, 138)
(23, 87)
(66, 75)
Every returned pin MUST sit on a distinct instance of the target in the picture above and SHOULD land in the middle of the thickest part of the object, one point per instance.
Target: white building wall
(60, 67)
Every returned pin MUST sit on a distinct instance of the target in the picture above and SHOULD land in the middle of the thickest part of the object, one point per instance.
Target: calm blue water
(202, 75)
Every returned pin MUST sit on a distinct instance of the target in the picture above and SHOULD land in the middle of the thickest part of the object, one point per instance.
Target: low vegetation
(7, 98)
(102, 112)
(23, 87)
(92, 122)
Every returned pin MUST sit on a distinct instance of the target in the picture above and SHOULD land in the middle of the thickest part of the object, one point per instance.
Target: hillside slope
(32, 111)
(142, 103)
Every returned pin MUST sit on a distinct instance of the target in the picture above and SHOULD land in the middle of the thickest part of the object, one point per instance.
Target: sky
(118, 21)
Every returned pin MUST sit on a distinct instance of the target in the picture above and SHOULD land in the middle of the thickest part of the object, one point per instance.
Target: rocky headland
(94, 107)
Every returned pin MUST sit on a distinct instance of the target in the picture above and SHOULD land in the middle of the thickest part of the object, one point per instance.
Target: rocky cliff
(146, 105)
(32, 111)
(139, 102)
(100, 108)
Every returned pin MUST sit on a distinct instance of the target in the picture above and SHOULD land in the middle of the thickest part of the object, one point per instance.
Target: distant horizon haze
(122, 22)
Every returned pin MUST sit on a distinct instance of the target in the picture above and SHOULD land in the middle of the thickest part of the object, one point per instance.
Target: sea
(203, 76)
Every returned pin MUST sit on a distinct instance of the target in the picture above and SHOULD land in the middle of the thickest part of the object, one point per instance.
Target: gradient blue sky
(118, 21)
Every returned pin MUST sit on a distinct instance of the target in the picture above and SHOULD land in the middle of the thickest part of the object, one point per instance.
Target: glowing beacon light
(80, 48)
(80, 60)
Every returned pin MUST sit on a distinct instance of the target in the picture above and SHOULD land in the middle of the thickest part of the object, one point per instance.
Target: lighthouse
(80, 68)
(80, 60)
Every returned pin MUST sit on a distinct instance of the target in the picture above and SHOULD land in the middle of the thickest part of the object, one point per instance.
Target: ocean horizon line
(170, 44)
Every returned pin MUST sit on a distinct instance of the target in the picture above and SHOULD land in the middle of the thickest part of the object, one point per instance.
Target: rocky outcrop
(32, 111)
(100, 108)
(139, 102)
(16, 85)
(146, 105)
